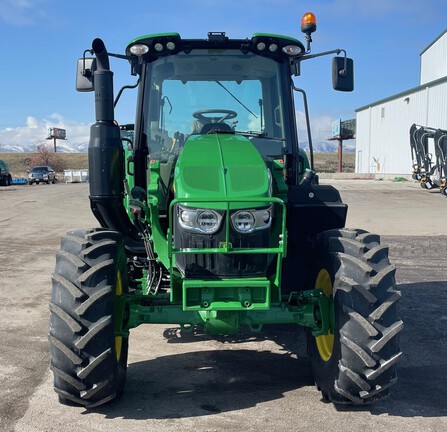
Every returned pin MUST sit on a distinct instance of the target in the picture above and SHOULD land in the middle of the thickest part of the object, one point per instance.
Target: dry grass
(328, 162)
(18, 162)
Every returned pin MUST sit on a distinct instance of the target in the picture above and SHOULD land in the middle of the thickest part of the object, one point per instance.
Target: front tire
(356, 363)
(88, 358)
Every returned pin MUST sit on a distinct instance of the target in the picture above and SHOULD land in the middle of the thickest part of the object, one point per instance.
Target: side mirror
(84, 74)
(343, 74)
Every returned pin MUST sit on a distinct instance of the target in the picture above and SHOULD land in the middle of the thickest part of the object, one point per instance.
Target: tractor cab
(215, 115)
(216, 86)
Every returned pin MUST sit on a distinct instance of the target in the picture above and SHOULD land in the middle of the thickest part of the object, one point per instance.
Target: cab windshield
(209, 91)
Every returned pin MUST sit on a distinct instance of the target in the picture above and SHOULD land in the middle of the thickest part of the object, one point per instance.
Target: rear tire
(88, 359)
(357, 363)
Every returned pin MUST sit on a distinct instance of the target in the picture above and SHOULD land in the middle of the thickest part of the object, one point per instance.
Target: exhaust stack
(106, 154)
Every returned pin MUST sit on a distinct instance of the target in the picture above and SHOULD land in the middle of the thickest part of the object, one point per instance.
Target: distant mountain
(66, 148)
(329, 146)
(14, 149)
(62, 147)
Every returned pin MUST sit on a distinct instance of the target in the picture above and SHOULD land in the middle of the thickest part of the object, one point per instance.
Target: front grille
(221, 265)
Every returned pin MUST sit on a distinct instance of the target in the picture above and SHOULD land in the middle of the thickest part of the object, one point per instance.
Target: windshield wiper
(259, 135)
(236, 99)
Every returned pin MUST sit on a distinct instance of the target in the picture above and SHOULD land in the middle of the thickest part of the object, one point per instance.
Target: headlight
(200, 220)
(208, 221)
(247, 221)
(292, 50)
(243, 221)
(139, 49)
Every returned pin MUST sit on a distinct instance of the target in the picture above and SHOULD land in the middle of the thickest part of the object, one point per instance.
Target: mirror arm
(86, 72)
(309, 134)
(133, 60)
(343, 72)
(120, 56)
(297, 61)
(131, 86)
(309, 56)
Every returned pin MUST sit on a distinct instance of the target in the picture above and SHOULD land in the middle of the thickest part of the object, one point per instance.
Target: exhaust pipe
(106, 154)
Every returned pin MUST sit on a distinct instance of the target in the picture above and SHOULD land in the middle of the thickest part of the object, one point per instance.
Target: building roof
(433, 42)
(411, 90)
(404, 93)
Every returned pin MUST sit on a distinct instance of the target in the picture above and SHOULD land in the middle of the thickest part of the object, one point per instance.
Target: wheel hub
(325, 343)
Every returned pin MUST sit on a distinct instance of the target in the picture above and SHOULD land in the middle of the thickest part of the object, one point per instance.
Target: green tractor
(211, 217)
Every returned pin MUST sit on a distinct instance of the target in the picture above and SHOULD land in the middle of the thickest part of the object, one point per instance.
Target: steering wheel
(224, 115)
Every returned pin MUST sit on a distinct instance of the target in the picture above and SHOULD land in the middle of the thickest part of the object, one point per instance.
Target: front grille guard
(227, 248)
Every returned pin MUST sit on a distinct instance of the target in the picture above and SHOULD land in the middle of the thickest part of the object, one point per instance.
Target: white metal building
(382, 136)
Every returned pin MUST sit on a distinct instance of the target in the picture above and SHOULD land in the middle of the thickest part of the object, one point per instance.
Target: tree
(45, 156)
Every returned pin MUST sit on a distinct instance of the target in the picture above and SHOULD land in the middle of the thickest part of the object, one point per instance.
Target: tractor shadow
(230, 373)
(211, 381)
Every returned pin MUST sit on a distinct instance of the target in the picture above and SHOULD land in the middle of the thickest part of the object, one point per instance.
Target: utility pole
(340, 155)
(341, 131)
(55, 134)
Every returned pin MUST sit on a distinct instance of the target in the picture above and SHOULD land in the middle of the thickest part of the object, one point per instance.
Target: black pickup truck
(5, 175)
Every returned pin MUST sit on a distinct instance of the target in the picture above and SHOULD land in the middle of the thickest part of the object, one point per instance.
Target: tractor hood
(223, 167)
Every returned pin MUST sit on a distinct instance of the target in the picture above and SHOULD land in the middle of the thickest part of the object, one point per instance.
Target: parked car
(5, 175)
(41, 174)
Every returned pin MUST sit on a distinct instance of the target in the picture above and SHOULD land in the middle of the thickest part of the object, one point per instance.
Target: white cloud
(320, 126)
(21, 12)
(35, 132)
(31, 123)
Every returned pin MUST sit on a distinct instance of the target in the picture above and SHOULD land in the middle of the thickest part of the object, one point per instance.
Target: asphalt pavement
(193, 382)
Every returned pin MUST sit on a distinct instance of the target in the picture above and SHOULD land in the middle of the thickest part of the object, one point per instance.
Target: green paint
(306, 310)
(221, 167)
(226, 294)
(146, 39)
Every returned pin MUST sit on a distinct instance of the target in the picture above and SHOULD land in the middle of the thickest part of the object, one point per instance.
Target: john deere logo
(223, 245)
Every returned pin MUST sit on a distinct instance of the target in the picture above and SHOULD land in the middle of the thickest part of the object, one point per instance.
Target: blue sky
(42, 39)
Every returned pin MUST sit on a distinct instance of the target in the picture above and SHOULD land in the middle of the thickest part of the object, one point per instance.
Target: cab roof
(162, 44)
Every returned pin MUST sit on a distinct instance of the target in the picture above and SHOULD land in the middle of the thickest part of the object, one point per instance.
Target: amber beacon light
(308, 26)
(308, 23)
